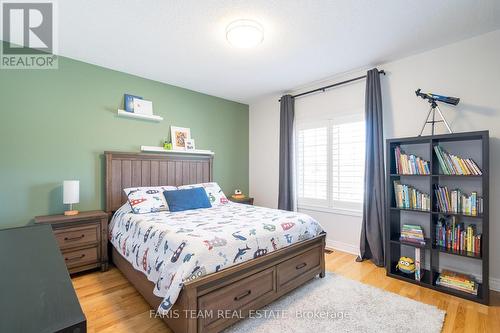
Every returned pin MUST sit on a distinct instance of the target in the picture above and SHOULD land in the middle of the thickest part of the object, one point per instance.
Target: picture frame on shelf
(190, 145)
(179, 136)
(128, 102)
(142, 106)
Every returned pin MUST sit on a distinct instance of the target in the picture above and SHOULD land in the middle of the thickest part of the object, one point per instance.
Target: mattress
(174, 248)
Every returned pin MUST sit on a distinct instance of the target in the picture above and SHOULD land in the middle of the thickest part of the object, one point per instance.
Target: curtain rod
(332, 85)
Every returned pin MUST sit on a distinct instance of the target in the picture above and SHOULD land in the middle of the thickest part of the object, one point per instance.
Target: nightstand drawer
(77, 236)
(80, 257)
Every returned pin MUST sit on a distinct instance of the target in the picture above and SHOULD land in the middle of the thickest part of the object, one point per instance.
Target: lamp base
(71, 212)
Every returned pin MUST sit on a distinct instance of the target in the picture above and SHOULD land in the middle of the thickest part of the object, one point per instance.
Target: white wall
(264, 140)
(468, 69)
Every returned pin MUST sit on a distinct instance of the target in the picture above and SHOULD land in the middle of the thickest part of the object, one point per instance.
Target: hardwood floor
(111, 304)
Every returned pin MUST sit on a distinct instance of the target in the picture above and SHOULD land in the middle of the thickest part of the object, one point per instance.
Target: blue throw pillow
(192, 198)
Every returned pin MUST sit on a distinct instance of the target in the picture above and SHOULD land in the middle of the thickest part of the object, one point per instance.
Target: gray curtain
(286, 195)
(372, 228)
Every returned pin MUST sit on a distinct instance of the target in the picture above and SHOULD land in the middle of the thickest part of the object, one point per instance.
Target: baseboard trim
(353, 249)
(341, 246)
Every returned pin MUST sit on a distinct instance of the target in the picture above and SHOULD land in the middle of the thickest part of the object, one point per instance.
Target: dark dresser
(36, 293)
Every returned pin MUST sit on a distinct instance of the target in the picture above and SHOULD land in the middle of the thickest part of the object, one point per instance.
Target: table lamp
(71, 195)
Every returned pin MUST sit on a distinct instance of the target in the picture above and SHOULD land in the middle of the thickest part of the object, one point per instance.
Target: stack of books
(453, 280)
(458, 202)
(412, 234)
(410, 164)
(457, 237)
(454, 165)
(408, 197)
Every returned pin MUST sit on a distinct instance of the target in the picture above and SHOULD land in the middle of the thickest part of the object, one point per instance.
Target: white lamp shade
(71, 191)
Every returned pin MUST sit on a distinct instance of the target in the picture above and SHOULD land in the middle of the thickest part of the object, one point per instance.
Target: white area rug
(338, 304)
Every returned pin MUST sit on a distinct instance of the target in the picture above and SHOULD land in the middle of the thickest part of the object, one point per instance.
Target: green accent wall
(56, 124)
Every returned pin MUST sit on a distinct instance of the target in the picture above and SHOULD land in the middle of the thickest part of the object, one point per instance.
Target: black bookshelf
(475, 143)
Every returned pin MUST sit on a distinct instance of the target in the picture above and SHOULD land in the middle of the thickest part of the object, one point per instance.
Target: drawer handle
(75, 258)
(73, 238)
(300, 266)
(245, 294)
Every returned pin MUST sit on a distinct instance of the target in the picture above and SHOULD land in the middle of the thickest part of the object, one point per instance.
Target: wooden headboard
(125, 170)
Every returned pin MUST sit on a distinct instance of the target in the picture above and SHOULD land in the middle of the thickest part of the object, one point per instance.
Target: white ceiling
(182, 42)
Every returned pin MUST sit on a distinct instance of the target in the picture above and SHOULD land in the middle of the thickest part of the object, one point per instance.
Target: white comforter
(172, 248)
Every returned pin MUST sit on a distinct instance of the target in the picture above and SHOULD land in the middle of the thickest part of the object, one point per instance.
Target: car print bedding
(174, 248)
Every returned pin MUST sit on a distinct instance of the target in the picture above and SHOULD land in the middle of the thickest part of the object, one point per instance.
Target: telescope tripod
(433, 109)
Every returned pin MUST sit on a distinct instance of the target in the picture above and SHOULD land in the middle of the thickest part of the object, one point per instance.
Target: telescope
(437, 98)
(431, 116)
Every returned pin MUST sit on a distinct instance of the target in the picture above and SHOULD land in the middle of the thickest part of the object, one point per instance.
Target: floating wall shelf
(154, 149)
(122, 113)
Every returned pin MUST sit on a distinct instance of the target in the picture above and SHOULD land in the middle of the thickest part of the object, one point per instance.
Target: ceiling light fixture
(244, 33)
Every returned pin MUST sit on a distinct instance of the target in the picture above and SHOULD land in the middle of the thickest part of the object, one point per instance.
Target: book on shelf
(418, 264)
(408, 197)
(457, 237)
(457, 202)
(458, 281)
(412, 234)
(410, 164)
(453, 165)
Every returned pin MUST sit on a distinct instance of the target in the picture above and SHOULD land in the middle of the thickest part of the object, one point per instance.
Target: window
(330, 163)
(313, 163)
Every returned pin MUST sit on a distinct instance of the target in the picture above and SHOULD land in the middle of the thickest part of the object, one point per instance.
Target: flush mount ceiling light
(244, 33)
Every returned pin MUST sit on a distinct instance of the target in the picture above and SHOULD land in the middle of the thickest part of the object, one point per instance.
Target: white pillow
(214, 192)
(148, 199)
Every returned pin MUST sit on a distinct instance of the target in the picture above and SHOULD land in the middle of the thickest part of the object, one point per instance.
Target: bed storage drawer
(236, 296)
(77, 236)
(292, 269)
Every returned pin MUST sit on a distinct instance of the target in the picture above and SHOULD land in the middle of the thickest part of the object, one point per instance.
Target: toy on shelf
(406, 265)
(167, 145)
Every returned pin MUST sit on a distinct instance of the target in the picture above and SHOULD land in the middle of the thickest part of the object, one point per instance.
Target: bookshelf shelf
(436, 175)
(458, 176)
(459, 215)
(467, 145)
(395, 239)
(455, 292)
(457, 252)
(425, 280)
(461, 294)
(403, 175)
(412, 210)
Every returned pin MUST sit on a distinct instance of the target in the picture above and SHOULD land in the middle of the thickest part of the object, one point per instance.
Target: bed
(197, 292)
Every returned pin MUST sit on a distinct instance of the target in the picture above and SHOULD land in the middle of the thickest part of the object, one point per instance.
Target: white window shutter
(348, 162)
(330, 163)
(312, 163)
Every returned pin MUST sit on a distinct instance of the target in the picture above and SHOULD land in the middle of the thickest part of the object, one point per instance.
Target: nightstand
(82, 239)
(245, 200)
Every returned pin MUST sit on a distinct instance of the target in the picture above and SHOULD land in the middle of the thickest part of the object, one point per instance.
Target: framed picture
(190, 144)
(142, 106)
(128, 102)
(179, 137)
